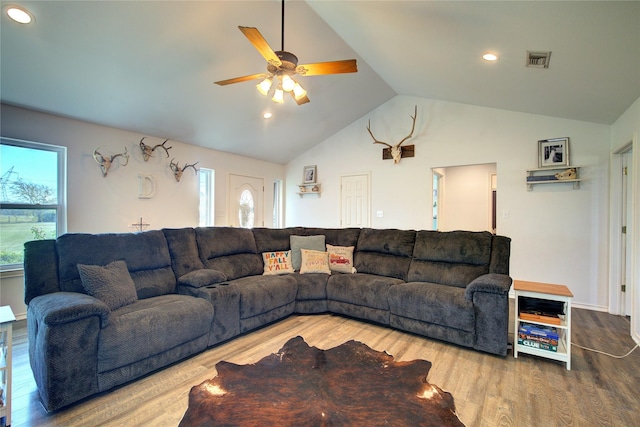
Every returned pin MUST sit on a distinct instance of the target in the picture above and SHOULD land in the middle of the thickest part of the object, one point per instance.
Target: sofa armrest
(202, 277)
(64, 330)
(490, 296)
(491, 283)
(64, 307)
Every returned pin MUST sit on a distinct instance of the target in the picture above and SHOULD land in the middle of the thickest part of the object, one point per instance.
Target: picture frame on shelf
(553, 153)
(309, 174)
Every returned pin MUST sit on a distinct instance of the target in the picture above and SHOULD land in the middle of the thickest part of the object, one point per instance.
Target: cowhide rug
(349, 385)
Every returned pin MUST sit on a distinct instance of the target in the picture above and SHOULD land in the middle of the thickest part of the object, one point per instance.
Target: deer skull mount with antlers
(147, 150)
(106, 162)
(397, 151)
(177, 170)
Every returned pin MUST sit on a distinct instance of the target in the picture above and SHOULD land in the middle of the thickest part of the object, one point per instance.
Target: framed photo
(309, 174)
(553, 153)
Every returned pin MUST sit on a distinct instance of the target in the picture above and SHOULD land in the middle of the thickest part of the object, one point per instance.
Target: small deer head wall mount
(106, 162)
(147, 150)
(397, 151)
(177, 170)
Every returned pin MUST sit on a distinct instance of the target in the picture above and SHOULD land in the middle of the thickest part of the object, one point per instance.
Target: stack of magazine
(538, 336)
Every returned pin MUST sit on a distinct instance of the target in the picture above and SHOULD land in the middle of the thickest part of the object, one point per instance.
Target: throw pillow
(202, 277)
(278, 262)
(315, 243)
(341, 258)
(111, 284)
(314, 262)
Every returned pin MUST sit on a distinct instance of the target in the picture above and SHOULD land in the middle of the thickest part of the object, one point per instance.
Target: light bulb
(278, 96)
(18, 14)
(287, 83)
(264, 86)
(490, 57)
(298, 91)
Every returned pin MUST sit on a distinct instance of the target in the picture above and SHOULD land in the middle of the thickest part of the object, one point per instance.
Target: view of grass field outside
(28, 198)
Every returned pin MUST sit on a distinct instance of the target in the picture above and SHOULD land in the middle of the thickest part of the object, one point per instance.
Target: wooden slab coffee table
(304, 386)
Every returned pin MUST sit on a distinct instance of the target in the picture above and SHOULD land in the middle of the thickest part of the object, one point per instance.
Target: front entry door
(246, 204)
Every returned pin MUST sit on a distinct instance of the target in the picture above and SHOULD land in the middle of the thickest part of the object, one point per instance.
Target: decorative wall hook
(177, 171)
(147, 150)
(396, 151)
(105, 162)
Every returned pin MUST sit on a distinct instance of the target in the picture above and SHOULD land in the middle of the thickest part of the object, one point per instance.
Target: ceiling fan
(283, 65)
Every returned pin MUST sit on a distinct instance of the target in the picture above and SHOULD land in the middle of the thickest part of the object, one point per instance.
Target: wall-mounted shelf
(305, 189)
(547, 176)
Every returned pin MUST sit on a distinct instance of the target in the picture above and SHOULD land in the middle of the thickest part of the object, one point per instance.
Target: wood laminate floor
(488, 390)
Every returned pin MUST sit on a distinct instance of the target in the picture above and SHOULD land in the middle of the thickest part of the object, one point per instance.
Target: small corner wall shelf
(305, 189)
(549, 292)
(547, 176)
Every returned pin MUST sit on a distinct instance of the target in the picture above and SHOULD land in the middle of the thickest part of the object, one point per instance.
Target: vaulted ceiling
(149, 67)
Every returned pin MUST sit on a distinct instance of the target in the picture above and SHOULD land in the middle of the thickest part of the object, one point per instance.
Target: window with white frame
(32, 196)
(207, 211)
(277, 203)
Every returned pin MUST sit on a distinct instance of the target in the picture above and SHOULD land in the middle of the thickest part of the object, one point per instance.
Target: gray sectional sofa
(175, 292)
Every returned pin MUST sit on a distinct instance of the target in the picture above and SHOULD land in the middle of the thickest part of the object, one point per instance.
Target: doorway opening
(464, 197)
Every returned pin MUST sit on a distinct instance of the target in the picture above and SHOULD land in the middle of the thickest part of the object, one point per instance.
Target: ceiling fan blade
(261, 45)
(333, 67)
(242, 79)
(300, 101)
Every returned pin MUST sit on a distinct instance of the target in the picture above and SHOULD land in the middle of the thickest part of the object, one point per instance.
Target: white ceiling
(149, 66)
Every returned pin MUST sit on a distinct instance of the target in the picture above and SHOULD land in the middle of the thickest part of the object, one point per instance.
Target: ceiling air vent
(538, 59)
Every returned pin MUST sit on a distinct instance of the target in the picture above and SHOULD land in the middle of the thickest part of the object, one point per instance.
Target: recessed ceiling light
(19, 14)
(267, 115)
(490, 57)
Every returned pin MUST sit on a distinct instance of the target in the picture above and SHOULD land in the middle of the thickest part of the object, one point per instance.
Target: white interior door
(625, 258)
(354, 201)
(246, 201)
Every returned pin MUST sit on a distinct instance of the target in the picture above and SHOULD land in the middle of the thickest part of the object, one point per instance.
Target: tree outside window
(32, 195)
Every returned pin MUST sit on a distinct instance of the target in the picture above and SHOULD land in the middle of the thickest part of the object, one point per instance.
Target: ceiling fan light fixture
(298, 91)
(264, 86)
(287, 83)
(278, 95)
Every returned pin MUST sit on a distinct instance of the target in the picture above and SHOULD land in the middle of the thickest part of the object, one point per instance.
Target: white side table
(6, 340)
(548, 292)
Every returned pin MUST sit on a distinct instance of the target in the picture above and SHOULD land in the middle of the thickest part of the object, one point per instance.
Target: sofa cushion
(365, 290)
(146, 254)
(230, 250)
(274, 239)
(465, 247)
(183, 250)
(384, 252)
(278, 262)
(111, 284)
(341, 258)
(261, 294)
(450, 258)
(152, 326)
(315, 243)
(314, 262)
(433, 303)
(202, 277)
(334, 236)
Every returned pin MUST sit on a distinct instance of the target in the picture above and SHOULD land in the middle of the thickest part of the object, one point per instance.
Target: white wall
(559, 235)
(627, 129)
(97, 204)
